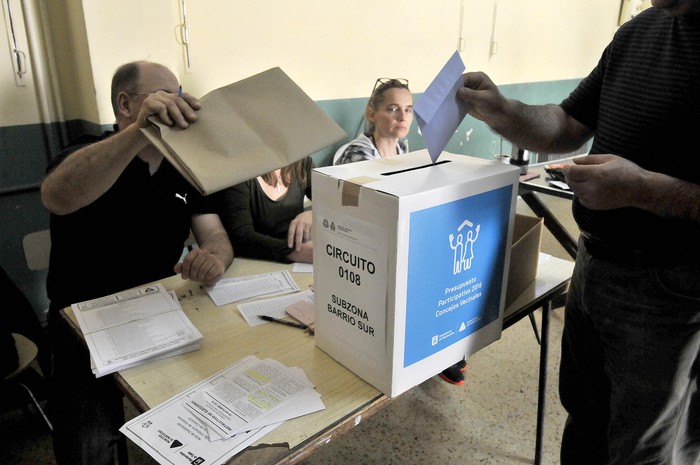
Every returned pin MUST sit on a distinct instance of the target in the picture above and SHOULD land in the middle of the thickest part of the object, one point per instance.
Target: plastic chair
(27, 352)
(37, 248)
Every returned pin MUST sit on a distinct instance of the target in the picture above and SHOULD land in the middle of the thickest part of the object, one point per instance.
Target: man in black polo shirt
(120, 214)
(630, 373)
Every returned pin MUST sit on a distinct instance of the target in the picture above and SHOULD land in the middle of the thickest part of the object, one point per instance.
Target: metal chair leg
(37, 405)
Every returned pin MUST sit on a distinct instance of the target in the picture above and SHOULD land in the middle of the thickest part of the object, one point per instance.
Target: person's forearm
(669, 197)
(539, 128)
(88, 173)
(218, 244)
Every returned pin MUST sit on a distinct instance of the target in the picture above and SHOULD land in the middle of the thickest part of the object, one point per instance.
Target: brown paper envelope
(246, 129)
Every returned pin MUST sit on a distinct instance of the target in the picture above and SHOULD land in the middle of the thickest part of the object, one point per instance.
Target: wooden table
(228, 338)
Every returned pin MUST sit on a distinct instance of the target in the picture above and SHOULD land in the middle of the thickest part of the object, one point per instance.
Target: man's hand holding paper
(172, 109)
(243, 130)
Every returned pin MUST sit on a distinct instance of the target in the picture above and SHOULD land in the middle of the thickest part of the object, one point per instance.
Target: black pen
(283, 322)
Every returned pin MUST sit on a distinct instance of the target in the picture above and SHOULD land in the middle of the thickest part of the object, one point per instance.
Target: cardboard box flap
(405, 175)
(524, 257)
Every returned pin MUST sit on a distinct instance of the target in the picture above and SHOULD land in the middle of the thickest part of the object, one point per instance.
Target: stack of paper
(131, 327)
(222, 415)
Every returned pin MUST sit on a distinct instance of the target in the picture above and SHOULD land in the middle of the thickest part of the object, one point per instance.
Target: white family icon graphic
(463, 246)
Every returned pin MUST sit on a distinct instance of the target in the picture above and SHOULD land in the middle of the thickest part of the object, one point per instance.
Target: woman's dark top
(257, 225)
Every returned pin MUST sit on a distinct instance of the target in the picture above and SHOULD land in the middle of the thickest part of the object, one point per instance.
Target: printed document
(173, 433)
(243, 399)
(127, 328)
(231, 290)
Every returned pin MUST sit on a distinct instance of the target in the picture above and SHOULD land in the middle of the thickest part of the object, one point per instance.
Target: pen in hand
(283, 322)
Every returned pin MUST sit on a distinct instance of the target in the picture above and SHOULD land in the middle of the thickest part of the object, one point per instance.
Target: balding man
(120, 215)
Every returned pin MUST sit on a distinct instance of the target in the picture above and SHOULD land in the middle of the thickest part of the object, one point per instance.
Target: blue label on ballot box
(455, 271)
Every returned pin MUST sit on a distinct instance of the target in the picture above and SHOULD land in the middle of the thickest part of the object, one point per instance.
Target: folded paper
(245, 129)
(438, 111)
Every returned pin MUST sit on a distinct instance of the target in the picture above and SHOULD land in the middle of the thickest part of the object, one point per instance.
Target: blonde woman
(389, 114)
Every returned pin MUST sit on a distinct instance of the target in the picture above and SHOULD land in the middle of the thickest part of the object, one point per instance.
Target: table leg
(550, 221)
(534, 327)
(542, 389)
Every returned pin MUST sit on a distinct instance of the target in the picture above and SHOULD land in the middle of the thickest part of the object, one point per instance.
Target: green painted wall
(471, 138)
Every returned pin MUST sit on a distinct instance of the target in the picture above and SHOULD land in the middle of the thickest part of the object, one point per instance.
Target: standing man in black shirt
(630, 373)
(120, 214)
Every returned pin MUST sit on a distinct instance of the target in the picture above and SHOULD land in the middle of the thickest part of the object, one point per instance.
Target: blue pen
(179, 91)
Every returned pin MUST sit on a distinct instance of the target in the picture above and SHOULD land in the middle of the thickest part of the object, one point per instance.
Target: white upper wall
(540, 40)
(336, 50)
(18, 102)
(120, 31)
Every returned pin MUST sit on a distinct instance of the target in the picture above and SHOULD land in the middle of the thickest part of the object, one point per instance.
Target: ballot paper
(303, 267)
(131, 327)
(173, 433)
(230, 290)
(274, 307)
(245, 129)
(437, 111)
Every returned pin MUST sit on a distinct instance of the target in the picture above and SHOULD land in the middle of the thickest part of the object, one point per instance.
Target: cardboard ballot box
(410, 263)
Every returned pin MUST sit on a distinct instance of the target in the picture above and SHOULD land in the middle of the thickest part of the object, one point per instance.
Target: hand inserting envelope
(438, 111)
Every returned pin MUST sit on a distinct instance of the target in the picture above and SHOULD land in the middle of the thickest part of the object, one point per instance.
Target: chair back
(339, 152)
(37, 248)
(27, 352)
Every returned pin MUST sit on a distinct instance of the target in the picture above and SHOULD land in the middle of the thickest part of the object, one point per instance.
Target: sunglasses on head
(395, 82)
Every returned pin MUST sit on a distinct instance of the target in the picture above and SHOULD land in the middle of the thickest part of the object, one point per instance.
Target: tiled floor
(490, 420)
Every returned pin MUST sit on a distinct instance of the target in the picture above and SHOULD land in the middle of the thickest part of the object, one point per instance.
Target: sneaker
(453, 375)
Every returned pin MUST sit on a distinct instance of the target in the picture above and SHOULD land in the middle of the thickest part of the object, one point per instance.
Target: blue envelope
(438, 111)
